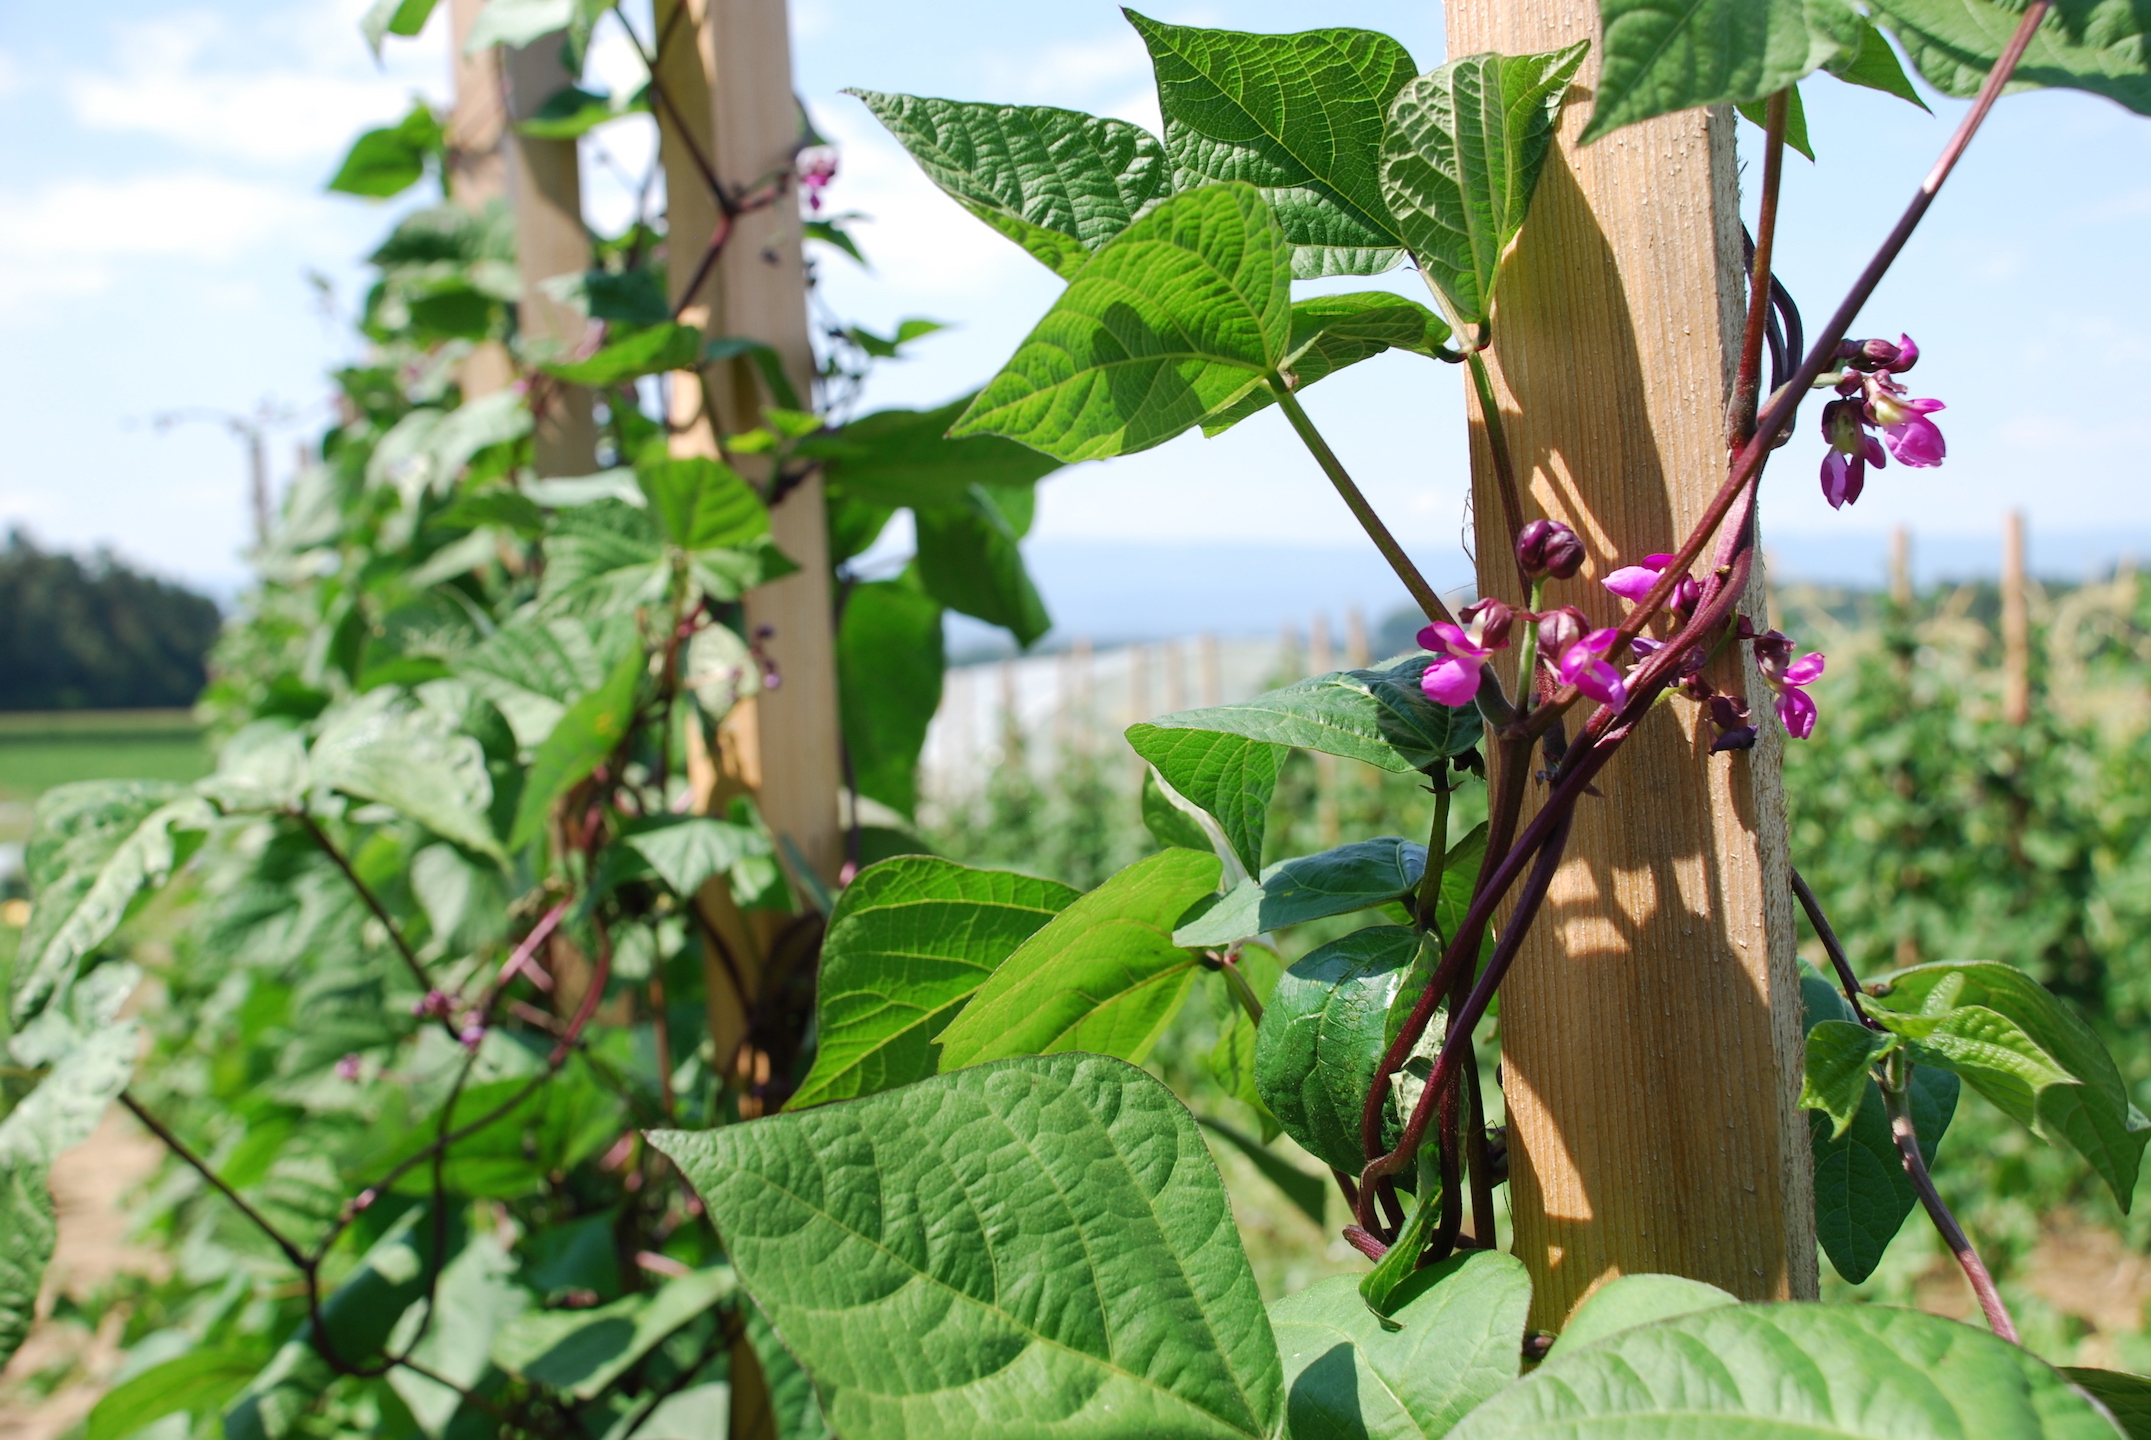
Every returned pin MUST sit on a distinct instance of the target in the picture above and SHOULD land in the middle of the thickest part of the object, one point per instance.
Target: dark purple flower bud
(1740, 737)
(1488, 623)
(471, 1035)
(435, 1006)
(1878, 354)
(1559, 629)
(1548, 547)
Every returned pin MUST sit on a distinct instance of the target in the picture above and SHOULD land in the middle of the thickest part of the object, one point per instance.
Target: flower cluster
(1871, 398)
(817, 166)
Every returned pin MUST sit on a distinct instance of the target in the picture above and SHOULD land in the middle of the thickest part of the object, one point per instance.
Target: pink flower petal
(1917, 442)
(1806, 670)
(1598, 642)
(1659, 561)
(1836, 478)
(1601, 682)
(1445, 639)
(1907, 352)
(1797, 711)
(1631, 582)
(1451, 682)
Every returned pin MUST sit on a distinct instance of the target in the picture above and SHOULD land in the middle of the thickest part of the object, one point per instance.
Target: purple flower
(1869, 399)
(1633, 582)
(471, 1036)
(1453, 679)
(817, 166)
(1789, 678)
(349, 1068)
(1913, 438)
(1548, 547)
(1852, 450)
(1583, 665)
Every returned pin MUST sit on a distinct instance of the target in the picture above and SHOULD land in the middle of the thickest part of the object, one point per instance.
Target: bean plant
(459, 908)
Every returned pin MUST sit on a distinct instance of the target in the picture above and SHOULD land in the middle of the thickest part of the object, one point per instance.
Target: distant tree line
(92, 634)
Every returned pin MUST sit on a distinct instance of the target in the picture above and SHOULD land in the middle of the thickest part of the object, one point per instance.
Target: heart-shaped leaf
(969, 560)
(1232, 777)
(702, 503)
(1330, 332)
(890, 662)
(2095, 45)
(1454, 1333)
(1182, 314)
(1297, 116)
(1632, 1300)
(909, 943)
(2095, 1114)
(1460, 161)
(1322, 1037)
(386, 746)
(1040, 1247)
(653, 351)
(1104, 975)
(1792, 1372)
(1840, 1055)
(1659, 56)
(1350, 877)
(1057, 182)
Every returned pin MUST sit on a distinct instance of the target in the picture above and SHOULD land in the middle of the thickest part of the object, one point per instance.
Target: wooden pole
(1901, 569)
(2016, 624)
(1651, 1035)
(544, 186)
(1213, 671)
(477, 168)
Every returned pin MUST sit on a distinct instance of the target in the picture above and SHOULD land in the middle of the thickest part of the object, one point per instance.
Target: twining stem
(1497, 441)
(373, 903)
(1748, 379)
(1838, 961)
(1414, 582)
(1896, 1098)
(1243, 992)
(201, 1167)
(1428, 900)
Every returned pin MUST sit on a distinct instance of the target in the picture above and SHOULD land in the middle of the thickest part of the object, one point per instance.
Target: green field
(47, 748)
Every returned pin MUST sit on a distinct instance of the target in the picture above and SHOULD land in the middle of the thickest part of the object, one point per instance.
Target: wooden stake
(477, 168)
(1651, 1031)
(1901, 569)
(545, 188)
(2016, 624)
(1213, 671)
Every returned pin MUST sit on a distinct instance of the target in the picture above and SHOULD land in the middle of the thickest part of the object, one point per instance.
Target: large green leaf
(1350, 877)
(909, 943)
(1631, 1300)
(1322, 1037)
(1862, 1194)
(1380, 716)
(196, 1383)
(969, 561)
(1057, 182)
(2094, 1114)
(685, 850)
(701, 503)
(94, 848)
(889, 666)
(1866, 59)
(2126, 1397)
(1103, 975)
(601, 558)
(1168, 822)
(1792, 1372)
(1037, 1248)
(535, 666)
(580, 1352)
(1330, 332)
(1460, 160)
(652, 351)
(477, 1295)
(390, 160)
(2095, 45)
(28, 1231)
(905, 457)
(1451, 1342)
(1297, 116)
(1230, 776)
(1182, 314)
(1840, 1055)
(386, 746)
(588, 731)
(1658, 56)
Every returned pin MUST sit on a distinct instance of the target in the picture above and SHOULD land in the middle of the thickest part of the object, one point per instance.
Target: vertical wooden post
(1213, 671)
(1651, 1035)
(2016, 624)
(1356, 656)
(1176, 678)
(1901, 569)
(544, 184)
(477, 168)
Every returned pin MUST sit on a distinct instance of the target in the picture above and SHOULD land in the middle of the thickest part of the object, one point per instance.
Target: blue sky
(157, 237)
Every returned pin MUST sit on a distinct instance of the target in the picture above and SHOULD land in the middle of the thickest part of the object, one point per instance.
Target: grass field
(47, 748)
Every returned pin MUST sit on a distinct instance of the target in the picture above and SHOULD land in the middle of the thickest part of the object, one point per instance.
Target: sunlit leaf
(2094, 45)
(1230, 776)
(1659, 56)
(1338, 881)
(1322, 1038)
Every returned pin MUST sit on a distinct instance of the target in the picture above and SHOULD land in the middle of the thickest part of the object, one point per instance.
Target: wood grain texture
(1651, 1029)
(477, 167)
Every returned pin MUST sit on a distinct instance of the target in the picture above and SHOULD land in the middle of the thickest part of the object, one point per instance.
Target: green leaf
(1460, 161)
(1103, 975)
(603, 559)
(1841, 1055)
(589, 730)
(28, 1231)
(1757, 112)
(1379, 716)
(1322, 1037)
(1187, 310)
(1230, 776)
(702, 503)
(392, 159)
(534, 667)
(795, 1410)
(573, 112)
(1350, 877)
(649, 352)
(1297, 116)
(686, 850)
(904, 457)
(1632, 1300)
(829, 232)
(909, 943)
(196, 1383)
(1057, 182)
(969, 560)
(891, 347)
(2126, 1397)
(890, 662)
(1330, 332)
(1862, 1194)
(1167, 823)
(633, 297)
(1659, 56)
(1053, 1225)
(1456, 1331)
(1868, 60)
(2095, 1114)
(1792, 1372)
(386, 746)
(2095, 45)
(1309, 1192)
(1988, 1049)
(517, 23)
(580, 1352)
(94, 848)
(477, 1295)
(394, 17)
(261, 768)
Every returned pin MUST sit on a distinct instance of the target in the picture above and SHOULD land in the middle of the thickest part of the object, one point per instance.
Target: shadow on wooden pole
(1651, 1035)
(2016, 624)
